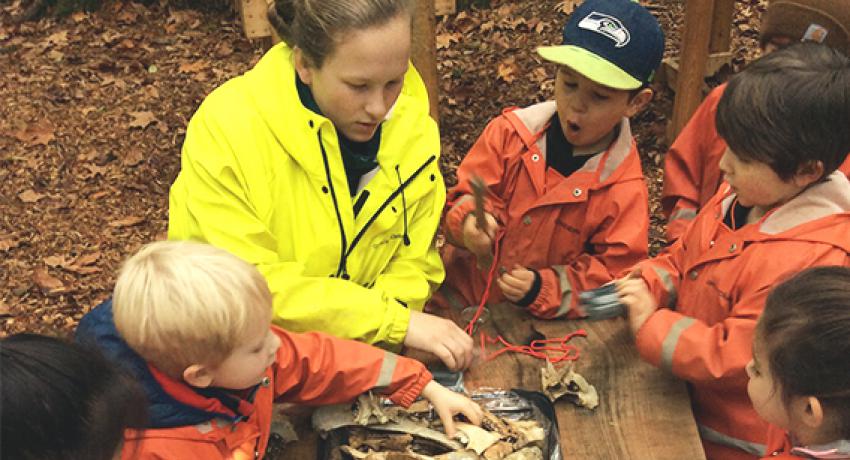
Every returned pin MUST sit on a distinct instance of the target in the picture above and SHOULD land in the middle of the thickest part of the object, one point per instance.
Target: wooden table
(644, 413)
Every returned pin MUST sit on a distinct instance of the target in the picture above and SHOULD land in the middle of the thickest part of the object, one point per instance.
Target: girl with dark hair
(800, 372)
(63, 401)
(320, 167)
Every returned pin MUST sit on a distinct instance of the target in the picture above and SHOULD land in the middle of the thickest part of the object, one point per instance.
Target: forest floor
(95, 107)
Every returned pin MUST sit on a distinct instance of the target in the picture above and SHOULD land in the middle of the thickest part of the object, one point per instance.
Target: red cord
(537, 348)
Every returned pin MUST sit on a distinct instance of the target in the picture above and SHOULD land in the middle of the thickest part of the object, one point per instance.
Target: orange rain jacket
(780, 447)
(577, 232)
(187, 423)
(714, 282)
(691, 172)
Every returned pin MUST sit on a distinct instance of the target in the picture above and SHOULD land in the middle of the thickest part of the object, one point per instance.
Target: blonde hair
(178, 303)
(317, 26)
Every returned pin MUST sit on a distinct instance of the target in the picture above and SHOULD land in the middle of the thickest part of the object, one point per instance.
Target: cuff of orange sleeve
(456, 215)
(547, 304)
(404, 397)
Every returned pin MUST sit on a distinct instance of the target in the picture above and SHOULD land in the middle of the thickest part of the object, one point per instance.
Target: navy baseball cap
(616, 43)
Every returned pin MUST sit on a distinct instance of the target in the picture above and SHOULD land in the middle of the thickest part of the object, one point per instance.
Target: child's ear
(303, 68)
(198, 376)
(639, 101)
(808, 173)
(812, 412)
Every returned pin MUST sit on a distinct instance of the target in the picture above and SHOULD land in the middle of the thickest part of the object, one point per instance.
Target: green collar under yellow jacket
(262, 176)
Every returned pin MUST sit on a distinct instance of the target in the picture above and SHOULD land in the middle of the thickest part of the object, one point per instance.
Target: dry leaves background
(95, 108)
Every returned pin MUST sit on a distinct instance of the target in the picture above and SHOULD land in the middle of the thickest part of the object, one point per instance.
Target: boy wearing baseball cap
(565, 201)
(691, 172)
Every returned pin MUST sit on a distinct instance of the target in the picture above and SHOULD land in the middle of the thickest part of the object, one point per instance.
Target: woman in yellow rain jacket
(320, 166)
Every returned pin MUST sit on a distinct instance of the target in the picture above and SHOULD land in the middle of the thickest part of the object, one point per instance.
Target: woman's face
(361, 79)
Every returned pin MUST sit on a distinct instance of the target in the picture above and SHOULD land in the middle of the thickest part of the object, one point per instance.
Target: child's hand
(447, 403)
(516, 283)
(441, 337)
(639, 302)
(480, 242)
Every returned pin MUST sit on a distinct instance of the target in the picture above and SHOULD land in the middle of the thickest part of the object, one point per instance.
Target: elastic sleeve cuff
(406, 396)
(398, 325)
(532, 293)
(457, 214)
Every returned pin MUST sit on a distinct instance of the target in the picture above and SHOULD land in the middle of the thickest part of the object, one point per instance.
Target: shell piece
(526, 453)
(476, 438)
(566, 382)
(528, 432)
(369, 407)
(498, 451)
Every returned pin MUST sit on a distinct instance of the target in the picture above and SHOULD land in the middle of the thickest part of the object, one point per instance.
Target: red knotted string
(539, 349)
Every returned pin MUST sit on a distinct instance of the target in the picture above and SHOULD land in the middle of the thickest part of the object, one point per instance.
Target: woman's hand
(516, 283)
(447, 403)
(441, 337)
(480, 242)
(639, 302)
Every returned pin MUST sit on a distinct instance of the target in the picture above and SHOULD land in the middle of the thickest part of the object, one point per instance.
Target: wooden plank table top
(644, 413)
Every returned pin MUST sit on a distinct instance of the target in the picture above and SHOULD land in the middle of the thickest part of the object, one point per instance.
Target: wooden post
(424, 51)
(693, 57)
(721, 26)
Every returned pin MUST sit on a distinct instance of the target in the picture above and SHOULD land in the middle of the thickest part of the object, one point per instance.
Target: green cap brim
(590, 65)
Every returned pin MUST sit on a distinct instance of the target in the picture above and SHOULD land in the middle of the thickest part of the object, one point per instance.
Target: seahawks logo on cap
(608, 26)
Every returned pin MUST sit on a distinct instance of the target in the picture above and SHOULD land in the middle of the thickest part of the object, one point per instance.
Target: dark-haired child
(800, 372)
(785, 208)
(691, 172)
(62, 401)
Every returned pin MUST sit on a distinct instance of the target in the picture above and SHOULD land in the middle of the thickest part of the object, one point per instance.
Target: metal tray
(513, 404)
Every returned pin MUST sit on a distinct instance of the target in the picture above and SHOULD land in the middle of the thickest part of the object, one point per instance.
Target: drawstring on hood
(341, 269)
(406, 238)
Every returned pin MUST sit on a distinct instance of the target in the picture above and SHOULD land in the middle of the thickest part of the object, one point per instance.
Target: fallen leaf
(141, 119)
(151, 92)
(56, 261)
(8, 242)
(567, 6)
(4, 309)
(87, 259)
(79, 17)
(30, 196)
(82, 270)
(59, 38)
(127, 221)
(446, 40)
(507, 70)
(94, 171)
(98, 195)
(40, 133)
(127, 17)
(46, 282)
(126, 44)
(133, 157)
(193, 67)
(223, 49)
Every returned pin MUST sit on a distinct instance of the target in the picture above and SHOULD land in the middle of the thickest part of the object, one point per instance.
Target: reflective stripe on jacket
(715, 282)
(578, 231)
(262, 176)
(691, 167)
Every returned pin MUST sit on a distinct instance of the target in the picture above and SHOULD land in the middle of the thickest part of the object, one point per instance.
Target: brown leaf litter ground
(95, 108)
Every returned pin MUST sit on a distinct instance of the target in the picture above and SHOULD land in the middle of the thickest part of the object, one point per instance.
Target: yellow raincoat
(262, 176)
